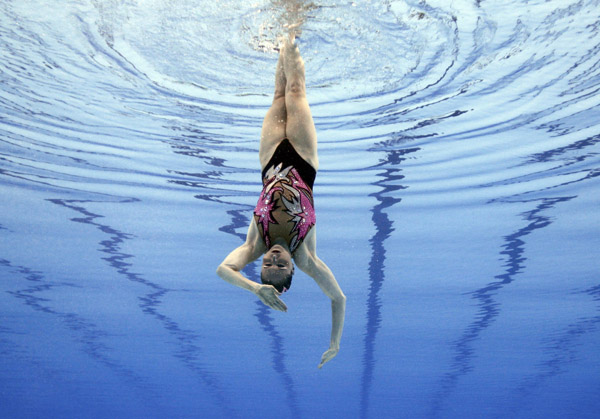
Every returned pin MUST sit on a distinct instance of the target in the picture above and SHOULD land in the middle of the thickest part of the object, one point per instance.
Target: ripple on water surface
(458, 146)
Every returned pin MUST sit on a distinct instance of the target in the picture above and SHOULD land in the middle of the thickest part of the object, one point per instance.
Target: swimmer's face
(276, 266)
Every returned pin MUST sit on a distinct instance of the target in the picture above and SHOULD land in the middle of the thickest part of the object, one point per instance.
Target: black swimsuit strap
(286, 153)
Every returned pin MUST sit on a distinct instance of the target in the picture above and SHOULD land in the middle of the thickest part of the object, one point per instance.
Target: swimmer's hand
(328, 355)
(270, 297)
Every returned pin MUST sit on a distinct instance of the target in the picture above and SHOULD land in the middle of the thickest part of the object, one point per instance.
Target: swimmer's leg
(273, 128)
(300, 128)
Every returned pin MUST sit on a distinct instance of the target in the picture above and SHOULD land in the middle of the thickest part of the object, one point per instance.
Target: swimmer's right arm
(230, 270)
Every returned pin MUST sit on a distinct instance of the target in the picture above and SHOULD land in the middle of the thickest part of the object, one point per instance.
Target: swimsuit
(285, 207)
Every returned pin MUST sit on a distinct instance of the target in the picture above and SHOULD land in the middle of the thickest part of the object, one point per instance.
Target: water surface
(456, 203)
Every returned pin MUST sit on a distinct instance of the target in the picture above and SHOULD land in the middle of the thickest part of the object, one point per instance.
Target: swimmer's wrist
(255, 288)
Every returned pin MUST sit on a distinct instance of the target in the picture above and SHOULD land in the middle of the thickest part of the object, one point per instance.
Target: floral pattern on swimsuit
(285, 196)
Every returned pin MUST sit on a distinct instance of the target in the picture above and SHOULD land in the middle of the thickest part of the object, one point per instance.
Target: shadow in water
(560, 351)
(263, 314)
(390, 177)
(88, 336)
(513, 252)
(239, 220)
(188, 350)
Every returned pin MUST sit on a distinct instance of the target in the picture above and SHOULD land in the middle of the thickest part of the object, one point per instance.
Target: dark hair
(285, 282)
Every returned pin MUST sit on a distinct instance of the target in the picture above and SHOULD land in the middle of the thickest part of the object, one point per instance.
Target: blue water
(457, 204)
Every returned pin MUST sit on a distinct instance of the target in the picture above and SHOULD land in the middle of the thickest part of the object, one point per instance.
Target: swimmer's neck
(281, 242)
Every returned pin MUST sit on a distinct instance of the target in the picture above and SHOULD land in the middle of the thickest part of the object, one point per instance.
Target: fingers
(328, 356)
(280, 305)
(271, 298)
(323, 361)
(277, 304)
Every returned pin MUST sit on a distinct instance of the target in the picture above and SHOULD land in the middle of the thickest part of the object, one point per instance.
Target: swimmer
(283, 227)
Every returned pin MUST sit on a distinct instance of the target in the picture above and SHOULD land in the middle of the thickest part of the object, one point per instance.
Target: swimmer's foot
(294, 30)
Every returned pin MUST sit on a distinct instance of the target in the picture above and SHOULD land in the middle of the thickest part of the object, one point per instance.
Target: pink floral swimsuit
(285, 207)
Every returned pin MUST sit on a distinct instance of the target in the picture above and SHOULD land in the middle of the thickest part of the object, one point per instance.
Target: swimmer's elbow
(222, 270)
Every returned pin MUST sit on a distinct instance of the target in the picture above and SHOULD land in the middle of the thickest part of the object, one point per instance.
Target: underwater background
(457, 204)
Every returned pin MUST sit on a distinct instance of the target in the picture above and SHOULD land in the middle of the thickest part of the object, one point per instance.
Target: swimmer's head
(277, 268)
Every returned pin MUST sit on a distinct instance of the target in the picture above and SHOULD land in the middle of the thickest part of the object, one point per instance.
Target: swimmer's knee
(296, 88)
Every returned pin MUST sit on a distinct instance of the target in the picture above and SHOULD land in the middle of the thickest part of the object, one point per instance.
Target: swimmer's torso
(285, 208)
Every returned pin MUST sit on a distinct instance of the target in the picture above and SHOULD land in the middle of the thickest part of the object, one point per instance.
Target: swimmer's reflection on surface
(283, 227)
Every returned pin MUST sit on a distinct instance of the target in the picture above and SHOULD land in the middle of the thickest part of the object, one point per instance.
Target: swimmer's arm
(307, 260)
(230, 269)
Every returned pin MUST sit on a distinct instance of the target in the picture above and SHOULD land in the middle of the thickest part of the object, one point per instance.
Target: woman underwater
(283, 228)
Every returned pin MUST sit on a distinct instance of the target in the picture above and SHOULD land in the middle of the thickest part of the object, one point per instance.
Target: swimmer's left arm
(307, 260)
(326, 281)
